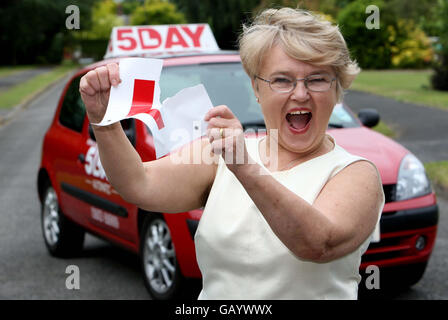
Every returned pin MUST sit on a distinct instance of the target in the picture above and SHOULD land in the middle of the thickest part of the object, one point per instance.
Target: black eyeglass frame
(295, 84)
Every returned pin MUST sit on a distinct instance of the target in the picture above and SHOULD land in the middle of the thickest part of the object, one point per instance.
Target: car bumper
(407, 237)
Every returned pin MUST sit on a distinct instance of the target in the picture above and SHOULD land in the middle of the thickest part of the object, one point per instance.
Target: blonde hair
(304, 36)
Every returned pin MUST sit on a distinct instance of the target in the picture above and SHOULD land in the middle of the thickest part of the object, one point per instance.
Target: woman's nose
(300, 92)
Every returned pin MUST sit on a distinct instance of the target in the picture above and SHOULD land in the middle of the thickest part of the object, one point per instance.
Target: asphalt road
(16, 78)
(106, 272)
(423, 130)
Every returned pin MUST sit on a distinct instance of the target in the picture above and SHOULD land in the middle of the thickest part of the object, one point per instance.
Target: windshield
(342, 118)
(228, 83)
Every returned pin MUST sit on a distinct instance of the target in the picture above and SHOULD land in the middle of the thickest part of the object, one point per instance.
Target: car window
(226, 83)
(341, 118)
(73, 110)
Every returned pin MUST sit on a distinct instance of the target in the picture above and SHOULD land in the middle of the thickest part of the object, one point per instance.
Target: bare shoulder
(362, 173)
(360, 177)
(362, 169)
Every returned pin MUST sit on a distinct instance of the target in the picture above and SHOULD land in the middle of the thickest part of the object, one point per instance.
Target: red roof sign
(158, 39)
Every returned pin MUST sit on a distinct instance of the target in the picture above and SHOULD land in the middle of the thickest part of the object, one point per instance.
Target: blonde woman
(286, 225)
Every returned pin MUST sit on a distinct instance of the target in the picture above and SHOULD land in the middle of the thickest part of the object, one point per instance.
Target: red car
(77, 198)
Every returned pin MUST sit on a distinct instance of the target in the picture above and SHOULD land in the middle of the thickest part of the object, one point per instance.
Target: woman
(290, 224)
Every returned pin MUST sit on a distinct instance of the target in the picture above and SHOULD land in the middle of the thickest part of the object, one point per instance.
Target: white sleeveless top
(239, 255)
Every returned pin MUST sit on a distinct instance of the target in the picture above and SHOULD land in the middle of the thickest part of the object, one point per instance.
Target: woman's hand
(95, 89)
(226, 136)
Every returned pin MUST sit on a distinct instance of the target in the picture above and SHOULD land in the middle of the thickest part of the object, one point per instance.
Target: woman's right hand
(95, 90)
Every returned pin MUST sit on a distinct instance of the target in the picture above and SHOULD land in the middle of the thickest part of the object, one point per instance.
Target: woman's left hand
(226, 136)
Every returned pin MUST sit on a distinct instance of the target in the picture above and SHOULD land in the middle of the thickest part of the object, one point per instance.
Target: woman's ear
(255, 88)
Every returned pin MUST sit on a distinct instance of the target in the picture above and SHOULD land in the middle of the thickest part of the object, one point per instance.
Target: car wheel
(62, 237)
(162, 275)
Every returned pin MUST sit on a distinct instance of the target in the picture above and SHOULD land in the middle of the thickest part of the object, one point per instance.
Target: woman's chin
(296, 140)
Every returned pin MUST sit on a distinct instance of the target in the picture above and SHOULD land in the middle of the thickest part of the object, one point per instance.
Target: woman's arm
(342, 217)
(170, 184)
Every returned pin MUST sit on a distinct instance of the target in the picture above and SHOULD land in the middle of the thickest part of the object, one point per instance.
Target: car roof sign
(160, 39)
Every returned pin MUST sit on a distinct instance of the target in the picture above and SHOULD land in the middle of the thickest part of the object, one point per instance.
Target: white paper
(182, 115)
(120, 99)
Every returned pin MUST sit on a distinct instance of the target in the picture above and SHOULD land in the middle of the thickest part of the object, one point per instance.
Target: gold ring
(221, 132)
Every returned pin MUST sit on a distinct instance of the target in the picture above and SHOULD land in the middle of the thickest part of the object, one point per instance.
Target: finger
(114, 73)
(217, 147)
(103, 78)
(85, 87)
(92, 79)
(220, 111)
(220, 123)
(213, 134)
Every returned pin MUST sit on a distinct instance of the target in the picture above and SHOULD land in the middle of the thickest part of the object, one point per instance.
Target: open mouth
(299, 120)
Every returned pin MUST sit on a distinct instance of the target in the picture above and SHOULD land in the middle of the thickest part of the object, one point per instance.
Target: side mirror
(369, 117)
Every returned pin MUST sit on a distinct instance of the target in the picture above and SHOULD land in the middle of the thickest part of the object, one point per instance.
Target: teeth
(299, 112)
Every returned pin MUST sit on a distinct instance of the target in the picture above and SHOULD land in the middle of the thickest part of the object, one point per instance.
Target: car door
(86, 195)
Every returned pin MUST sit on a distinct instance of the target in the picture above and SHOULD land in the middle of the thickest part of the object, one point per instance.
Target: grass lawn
(383, 128)
(403, 85)
(23, 91)
(438, 173)
(8, 70)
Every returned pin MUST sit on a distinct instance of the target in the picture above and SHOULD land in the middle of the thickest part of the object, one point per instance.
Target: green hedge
(94, 48)
(398, 43)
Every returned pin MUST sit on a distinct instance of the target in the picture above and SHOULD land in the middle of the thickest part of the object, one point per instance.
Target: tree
(156, 12)
(104, 18)
(27, 38)
(370, 47)
(440, 77)
(398, 43)
(224, 17)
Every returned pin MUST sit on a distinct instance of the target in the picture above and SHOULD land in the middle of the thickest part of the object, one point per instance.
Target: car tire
(161, 272)
(63, 238)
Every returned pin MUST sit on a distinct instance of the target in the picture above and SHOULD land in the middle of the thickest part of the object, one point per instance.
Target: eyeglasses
(315, 82)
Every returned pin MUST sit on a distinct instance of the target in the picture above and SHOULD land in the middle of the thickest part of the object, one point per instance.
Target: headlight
(412, 179)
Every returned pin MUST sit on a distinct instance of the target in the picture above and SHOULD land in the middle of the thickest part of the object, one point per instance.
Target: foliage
(25, 38)
(397, 43)
(370, 47)
(440, 78)
(156, 12)
(410, 46)
(225, 17)
(422, 12)
(129, 6)
(104, 18)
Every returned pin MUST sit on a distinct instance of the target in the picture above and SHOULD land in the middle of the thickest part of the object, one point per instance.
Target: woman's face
(297, 134)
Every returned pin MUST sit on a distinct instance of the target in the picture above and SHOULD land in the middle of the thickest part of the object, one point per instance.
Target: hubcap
(51, 217)
(159, 256)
